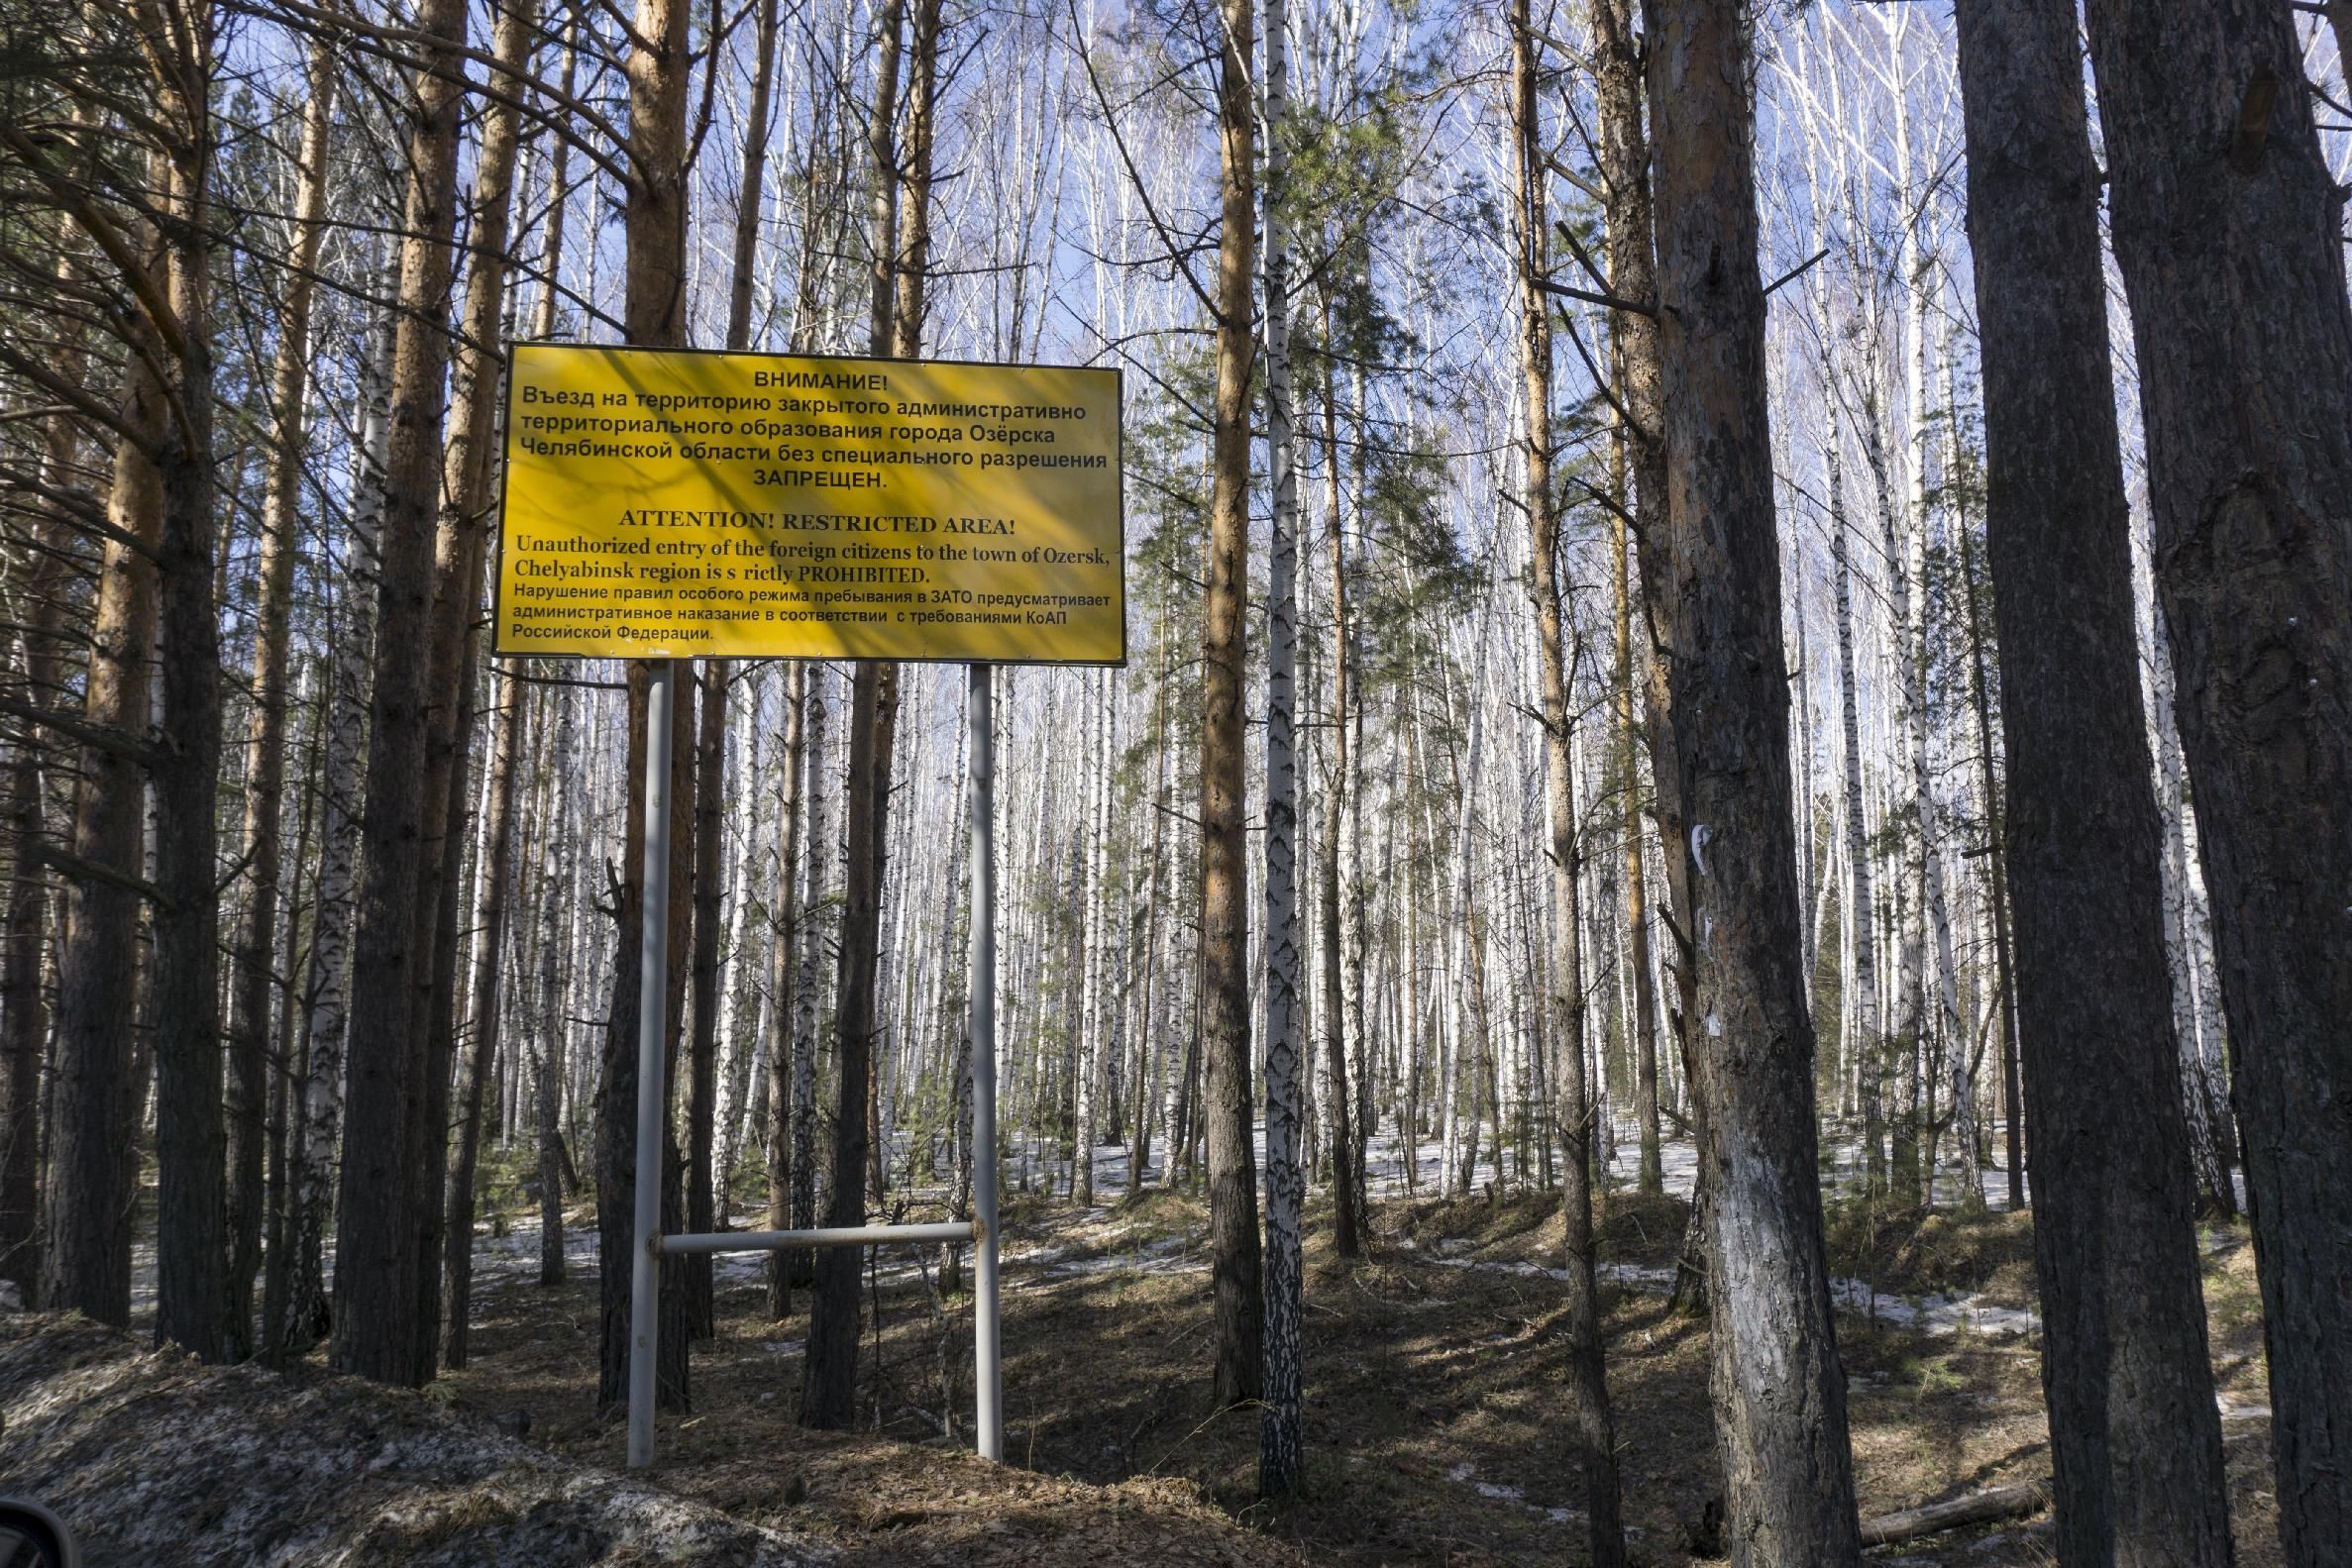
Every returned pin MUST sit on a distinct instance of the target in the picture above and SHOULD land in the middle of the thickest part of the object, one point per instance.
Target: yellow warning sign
(668, 504)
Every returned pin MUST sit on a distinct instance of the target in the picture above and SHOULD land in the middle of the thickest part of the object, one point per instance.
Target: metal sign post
(653, 1088)
(653, 992)
(987, 1373)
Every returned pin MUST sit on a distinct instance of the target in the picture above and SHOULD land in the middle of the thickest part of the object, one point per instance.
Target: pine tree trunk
(550, 1065)
(785, 978)
(460, 546)
(1592, 1430)
(31, 906)
(383, 1194)
(1234, 1258)
(250, 1073)
(1633, 275)
(490, 931)
(192, 1294)
(1778, 1389)
(2136, 1442)
(550, 1037)
(828, 1392)
(2230, 229)
(653, 316)
(87, 1248)
(701, 1090)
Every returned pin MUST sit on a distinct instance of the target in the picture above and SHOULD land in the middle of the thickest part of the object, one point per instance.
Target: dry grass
(1433, 1397)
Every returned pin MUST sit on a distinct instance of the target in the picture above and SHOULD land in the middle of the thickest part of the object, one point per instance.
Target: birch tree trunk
(800, 1266)
(1861, 1044)
(1346, 1177)
(1997, 875)
(312, 1164)
(785, 982)
(1652, 1179)
(1281, 1454)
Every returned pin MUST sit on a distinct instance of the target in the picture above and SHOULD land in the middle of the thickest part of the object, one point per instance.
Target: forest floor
(1434, 1381)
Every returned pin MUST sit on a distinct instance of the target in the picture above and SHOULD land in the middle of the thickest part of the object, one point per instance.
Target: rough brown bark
(192, 1300)
(1977, 1507)
(1592, 1430)
(828, 1394)
(2135, 1439)
(617, 1102)
(461, 540)
(31, 904)
(380, 1271)
(1997, 835)
(784, 971)
(653, 316)
(2229, 230)
(1780, 1391)
(249, 1074)
(86, 1236)
(703, 1212)
(1229, 1113)
(1633, 275)
(829, 1391)
(490, 933)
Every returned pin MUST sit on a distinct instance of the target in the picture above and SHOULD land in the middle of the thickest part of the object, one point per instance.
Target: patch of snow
(1931, 1314)
(1466, 1474)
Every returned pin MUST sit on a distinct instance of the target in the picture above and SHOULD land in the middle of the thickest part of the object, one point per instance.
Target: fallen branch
(1977, 1507)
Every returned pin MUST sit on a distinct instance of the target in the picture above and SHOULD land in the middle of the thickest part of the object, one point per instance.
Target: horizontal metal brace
(841, 1236)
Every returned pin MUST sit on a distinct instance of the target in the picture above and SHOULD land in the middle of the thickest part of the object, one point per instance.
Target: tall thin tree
(1593, 1432)
(1281, 1441)
(378, 1268)
(2229, 224)
(2135, 1439)
(1235, 1261)
(1779, 1389)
